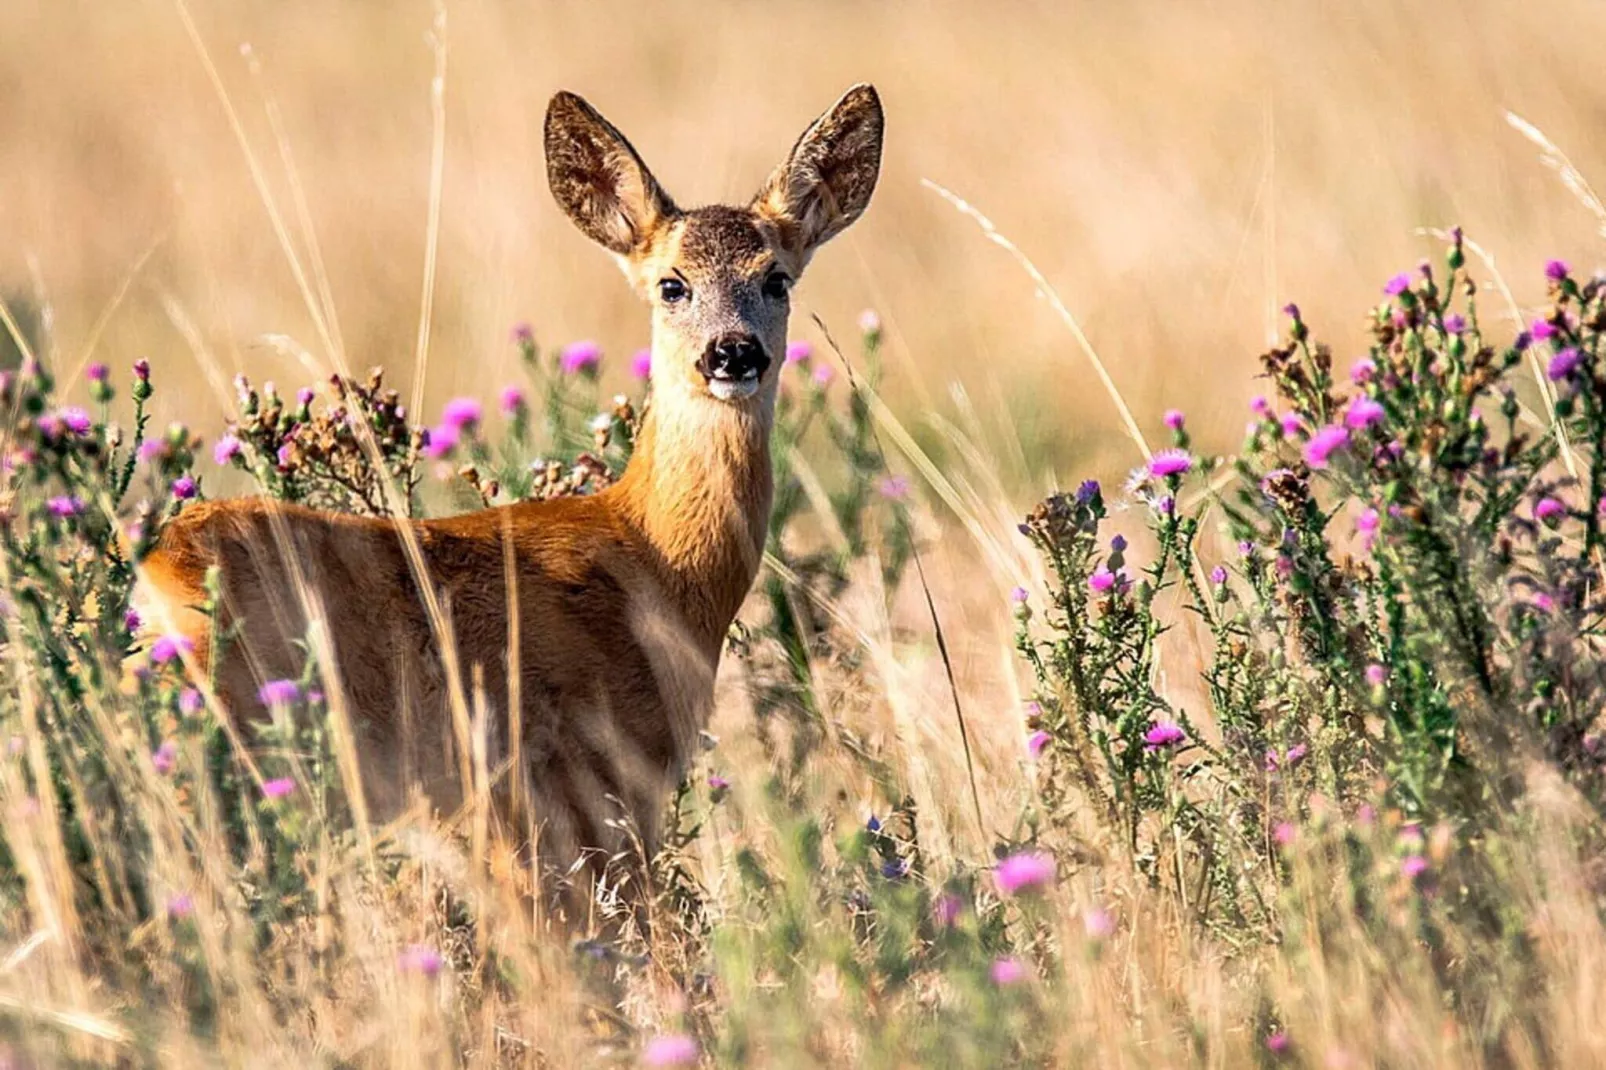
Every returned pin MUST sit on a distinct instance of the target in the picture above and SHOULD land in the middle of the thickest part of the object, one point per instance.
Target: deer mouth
(728, 389)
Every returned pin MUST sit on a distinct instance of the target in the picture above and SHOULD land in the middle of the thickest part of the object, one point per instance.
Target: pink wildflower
(278, 787)
(420, 959)
(1324, 443)
(671, 1049)
(798, 352)
(580, 358)
(641, 364)
(1168, 463)
(1036, 742)
(1007, 971)
(1024, 872)
(1163, 734)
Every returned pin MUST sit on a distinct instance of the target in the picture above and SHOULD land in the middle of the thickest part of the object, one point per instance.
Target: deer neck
(698, 489)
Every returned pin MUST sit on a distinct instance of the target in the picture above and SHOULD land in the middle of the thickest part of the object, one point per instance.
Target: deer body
(622, 599)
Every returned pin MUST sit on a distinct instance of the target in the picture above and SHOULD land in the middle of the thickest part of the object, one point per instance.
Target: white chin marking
(733, 389)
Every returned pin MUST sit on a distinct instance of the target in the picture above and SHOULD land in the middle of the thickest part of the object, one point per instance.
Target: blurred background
(1178, 173)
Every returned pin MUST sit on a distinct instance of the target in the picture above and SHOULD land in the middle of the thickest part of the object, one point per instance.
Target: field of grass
(1285, 750)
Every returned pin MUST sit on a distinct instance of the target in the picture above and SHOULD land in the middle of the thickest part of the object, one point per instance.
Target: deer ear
(825, 184)
(599, 180)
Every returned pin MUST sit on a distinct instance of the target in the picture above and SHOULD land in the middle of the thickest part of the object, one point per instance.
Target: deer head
(718, 278)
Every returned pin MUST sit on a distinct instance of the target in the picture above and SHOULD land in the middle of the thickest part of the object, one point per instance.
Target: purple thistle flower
(523, 334)
(278, 787)
(1278, 1043)
(285, 454)
(1284, 833)
(98, 372)
(1542, 330)
(1019, 594)
(798, 352)
(670, 1049)
(869, 321)
(132, 621)
(1564, 363)
(641, 364)
(1367, 523)
(1036, 742)
(1118, 544)
(279, 693)
(1295, 755)
(1163, 734)
(170, 648)
(184, 488)
(142, 370)
(511, 400)
(151, 449)
(1088, 490)
(1174, 419)
(1556, 270)
(1523, 340)
(64, 506)
(165, 758)
(76, 420)
(1455, 323)
(893, 488)
(1362, 371)
(1098, 924)
(1413, 866)
(1398, 285)
(228, 447)
(1102, 580)
(824, 373)
(180, 906)
(1376, 675)
(461, 413)
(1290, 425)
(946, 908)
(1324, 443)
(191, 702)
(1259, 405)
(1364, 412)
(1291, 310)
(1024, 872)
(420, 959)
(1549, 511)
(1218, 575)
(440, 441)
(580, 357)
(1167, 463)
(1007, 971)
(718, 783)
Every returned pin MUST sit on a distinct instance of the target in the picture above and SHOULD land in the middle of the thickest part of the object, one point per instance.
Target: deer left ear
(825, 184)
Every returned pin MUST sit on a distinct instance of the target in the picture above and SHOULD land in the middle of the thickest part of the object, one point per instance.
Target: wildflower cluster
(1410, 577)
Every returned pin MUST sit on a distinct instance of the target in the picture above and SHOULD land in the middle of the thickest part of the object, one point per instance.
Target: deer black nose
(735, 357)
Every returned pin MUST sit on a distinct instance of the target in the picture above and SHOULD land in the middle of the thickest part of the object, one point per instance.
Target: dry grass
(1260, 153)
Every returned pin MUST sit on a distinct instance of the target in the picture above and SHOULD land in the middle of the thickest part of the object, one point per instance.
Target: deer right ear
(599, 180)
(826, 182)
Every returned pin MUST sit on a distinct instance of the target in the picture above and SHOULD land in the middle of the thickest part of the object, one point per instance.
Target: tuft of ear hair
(599, 180)
(826, 182)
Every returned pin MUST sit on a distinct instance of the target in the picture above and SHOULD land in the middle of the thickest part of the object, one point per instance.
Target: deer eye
(672, 290)
(776, 283)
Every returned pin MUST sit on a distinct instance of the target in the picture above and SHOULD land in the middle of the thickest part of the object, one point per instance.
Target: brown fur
(623, 598)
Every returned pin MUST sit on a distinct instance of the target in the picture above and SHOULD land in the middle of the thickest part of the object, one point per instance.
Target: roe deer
(622, 600)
